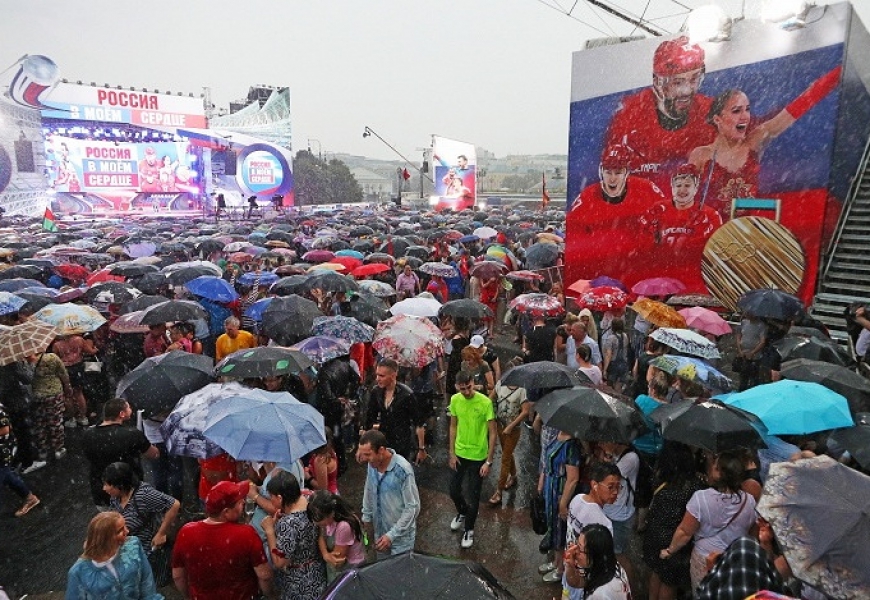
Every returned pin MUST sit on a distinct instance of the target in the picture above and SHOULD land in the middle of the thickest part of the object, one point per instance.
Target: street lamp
(368, 131)
(319, 148)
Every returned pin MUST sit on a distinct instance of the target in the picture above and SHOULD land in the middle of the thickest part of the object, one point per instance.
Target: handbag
(93, 366)
(539, 515)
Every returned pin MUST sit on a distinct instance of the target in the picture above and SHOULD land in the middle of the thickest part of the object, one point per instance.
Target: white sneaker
(467, 539)
(35, 466)
(457, 522)
(546, 568)
(59, 454)
(553, 577)
(70, 424)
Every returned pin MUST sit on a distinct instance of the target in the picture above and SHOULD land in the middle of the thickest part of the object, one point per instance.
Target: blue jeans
(468, 508)
(165, 473)
(9, 477)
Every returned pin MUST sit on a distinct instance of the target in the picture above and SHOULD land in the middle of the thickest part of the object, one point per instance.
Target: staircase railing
(854, 189)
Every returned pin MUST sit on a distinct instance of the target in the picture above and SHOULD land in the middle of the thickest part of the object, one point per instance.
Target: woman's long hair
(602, 566)
(102, 536)
(324, 504)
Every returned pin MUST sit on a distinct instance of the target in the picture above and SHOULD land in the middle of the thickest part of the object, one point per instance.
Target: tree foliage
(317, 181)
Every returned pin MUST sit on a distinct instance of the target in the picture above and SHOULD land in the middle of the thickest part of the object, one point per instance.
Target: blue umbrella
(212, 288)
(10, 303)
(265, 278)
(17, 283)
(255, 311)
(789, 407)
(343, 328)
(350, 253)
(465, 239)
(183, 428)
(265, 426)
(322, 348)
(39, 290)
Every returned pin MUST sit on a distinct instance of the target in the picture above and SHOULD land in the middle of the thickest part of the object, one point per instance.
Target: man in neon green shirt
(472, 444)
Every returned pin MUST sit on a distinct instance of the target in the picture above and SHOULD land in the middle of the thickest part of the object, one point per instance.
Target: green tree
(319, 182)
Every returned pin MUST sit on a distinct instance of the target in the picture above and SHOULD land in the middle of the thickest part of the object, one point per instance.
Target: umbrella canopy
(131, 269)
(185, 274)
(602, 298)
(692, 369)
(855, 439)
(318, 256)
(183, 428)
(377, 288)
(465, 307)
(422, 576)
(34, 301)
(790, 407)
(173, 310)
(658, 313)
(710, 425)
(13, 285)
(541, 255)
(417, 307)
(289, 319)
(70, 319)
(439, 269)
(159, 382)
(487, 269)
(771, 304)
(485, 233)
(130, 322)
(212, 288)
(287, 286)
(605, 281)
(141, 303)
(706, 320)
(265, 426)
(410, 341)
(258, 278)
(798, 346)
(348, 329)
(72, 271)
(686, 300)
(370, 269)
(421, 252)
(262, 361)
(686, 341)
(527, 276)
(10, 303)
(20, 341)
(658, 286)
(590, 414)
(151, 283)
(321, 349)
(330, 281)
(537, 305)
(820, 513)
(541, 375)
(112, 292)
(255, 311)
(380, 258)
(368, 309)
(854, 387)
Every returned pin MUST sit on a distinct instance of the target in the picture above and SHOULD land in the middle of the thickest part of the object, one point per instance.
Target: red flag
(405, 174)
(48, 221)
(545, 197)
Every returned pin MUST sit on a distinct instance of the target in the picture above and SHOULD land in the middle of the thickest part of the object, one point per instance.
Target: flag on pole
(545, 197)
(48, 222)
(405, 174)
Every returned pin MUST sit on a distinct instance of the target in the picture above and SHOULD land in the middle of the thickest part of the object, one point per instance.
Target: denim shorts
(622, 534)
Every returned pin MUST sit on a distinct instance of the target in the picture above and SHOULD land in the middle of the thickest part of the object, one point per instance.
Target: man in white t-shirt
(621, 512)
(579, 336)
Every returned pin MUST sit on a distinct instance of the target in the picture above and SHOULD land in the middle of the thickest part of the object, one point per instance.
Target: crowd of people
(283, 529)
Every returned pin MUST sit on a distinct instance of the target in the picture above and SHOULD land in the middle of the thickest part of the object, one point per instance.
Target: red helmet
(687, 170)
(616, 156)
(677, 56)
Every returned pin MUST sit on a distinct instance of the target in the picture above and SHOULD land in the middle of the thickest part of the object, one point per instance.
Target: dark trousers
(20, 420)
(8, 477)
(165, 473)
(471, 470)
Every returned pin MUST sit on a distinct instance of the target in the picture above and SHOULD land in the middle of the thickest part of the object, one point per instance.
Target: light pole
(319, 148)
(369, 131)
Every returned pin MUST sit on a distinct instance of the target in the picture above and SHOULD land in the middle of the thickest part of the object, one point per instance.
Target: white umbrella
(686, 341)
(485, 233)
(417, 307)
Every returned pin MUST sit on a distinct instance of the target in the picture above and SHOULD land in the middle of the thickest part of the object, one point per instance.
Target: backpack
(618, 367)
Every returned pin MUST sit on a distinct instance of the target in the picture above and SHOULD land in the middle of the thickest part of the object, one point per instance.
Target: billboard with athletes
(711, 163)
(455, 173)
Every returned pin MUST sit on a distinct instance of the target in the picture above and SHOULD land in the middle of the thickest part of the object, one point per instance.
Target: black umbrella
(262, 361)
(182, 276)
(417, 575)
(710, 425)
(380, 257)
(362, 231)
(855, 439)
(141, 303)
(150, 283)
(368, 309)
(131, 269)
(363, 246)
(173, 310)
(159, 382)
(113, 292)
(16, 271)
(209, 246)
(797, 346)
(771, 304)
(421, 252)
(288, 320)
(542, 374)
(399, 247)
(287, 286)
(541, 256)
(854, 387)
(330, 281)
(34, 301)
(590, 414)
(465, 307)
(13, 285)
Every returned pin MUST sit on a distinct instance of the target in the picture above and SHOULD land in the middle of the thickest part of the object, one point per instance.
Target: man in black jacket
(394, 410)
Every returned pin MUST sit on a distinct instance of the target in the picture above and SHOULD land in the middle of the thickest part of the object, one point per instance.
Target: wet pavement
(37, 550)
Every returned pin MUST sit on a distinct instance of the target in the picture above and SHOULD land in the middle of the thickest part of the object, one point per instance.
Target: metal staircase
(846, 269)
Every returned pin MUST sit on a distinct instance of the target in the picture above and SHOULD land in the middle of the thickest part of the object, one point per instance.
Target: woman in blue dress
(557, 482)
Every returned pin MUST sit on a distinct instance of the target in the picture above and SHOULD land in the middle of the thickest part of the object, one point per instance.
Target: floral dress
(305, 577)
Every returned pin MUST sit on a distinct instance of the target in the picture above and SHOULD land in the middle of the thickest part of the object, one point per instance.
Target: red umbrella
(101, 276)
(350, 263)
(525, 276)
(603, 298)
(581, 286)
(538, 305)
(658, 286)
(370, 269)
(71, 271)
(488, 269)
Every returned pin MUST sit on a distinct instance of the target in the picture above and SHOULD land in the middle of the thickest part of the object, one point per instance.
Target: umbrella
(159, 382)
(287, 286)
(541, 256)
(173, 310)
(260, 278)
(710, 425)
(704, 319)
(349, 262)
(541, 375)
(686, 341)
(590, 414)
(380, 258)
(439, 269)
(131, 269)
(10, 303)
(410, 341)
(112, 292)
(487, 269)
(265, 426)
(13, 285)
(692, 369)
(658, 286)
(686, 300)
(602, 298)
(370, 269)
(289, 319)
(330, 281)
(141, 303)
(255, 311)
(798, 346)
(418, 306)
(605, 281)
(194, 264)
(262, 361)
(537, 305)
(855, 439)
(844, 381)
(820, 513)
(150, 283)
(368, 309)
(377, 288)
(465, 307)
(38, 290)
(182, 429)
(421, 252)
(130, 322)
(789, 407)
(419, 575)
(581, 286)
(212, 288)
(467, 239)
(344, 328)
(318, 256)
(336, 267)
(658, 313)
(183, 275)
(34, 302)
(527, 276)
(20, 341)
(771, 304)
(321, 349)
(101, 276)
(351, 253)
(17, 271)
(71, 271)
(70, 319)
(485, 233)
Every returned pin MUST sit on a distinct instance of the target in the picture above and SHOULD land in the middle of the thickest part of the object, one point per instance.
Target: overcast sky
(495, 73)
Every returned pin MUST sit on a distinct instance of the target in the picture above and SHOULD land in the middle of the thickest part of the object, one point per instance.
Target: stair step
(858, 262)
(840, 286)
(858, 235)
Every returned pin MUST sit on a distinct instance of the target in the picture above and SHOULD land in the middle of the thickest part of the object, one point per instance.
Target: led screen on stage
(455, 176)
